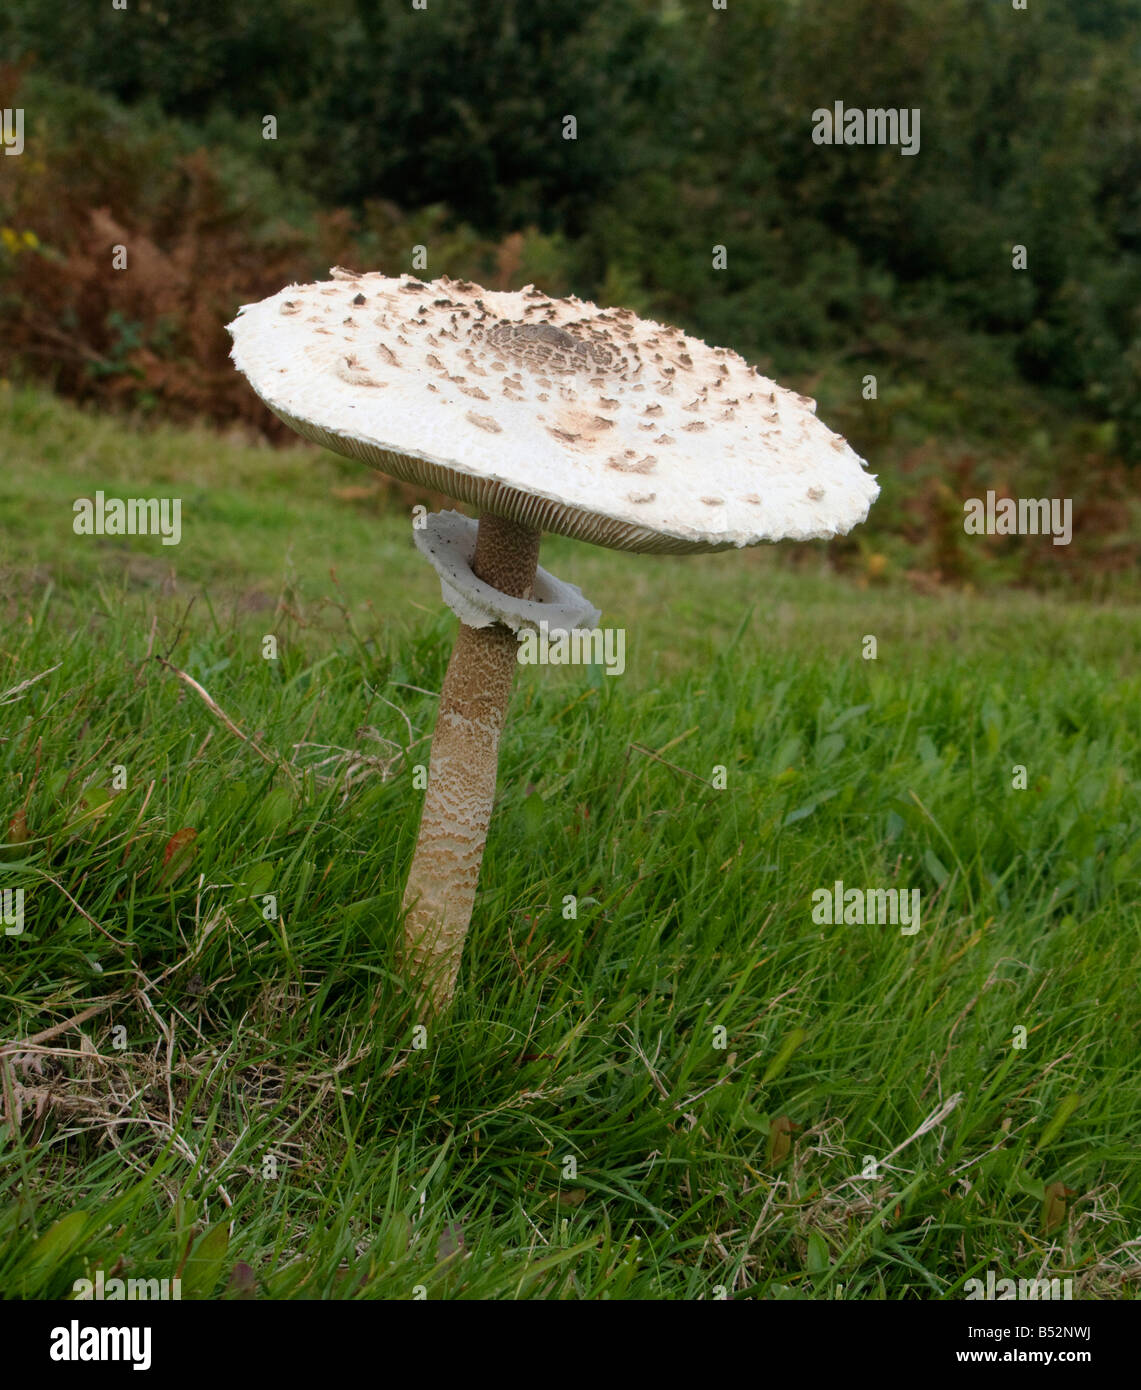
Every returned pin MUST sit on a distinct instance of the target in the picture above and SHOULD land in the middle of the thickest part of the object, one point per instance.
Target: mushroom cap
(588, 422)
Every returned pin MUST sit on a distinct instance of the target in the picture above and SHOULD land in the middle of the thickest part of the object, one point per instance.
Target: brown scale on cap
(485, 422)
(552, 351)
(351, 370)
(630, 463)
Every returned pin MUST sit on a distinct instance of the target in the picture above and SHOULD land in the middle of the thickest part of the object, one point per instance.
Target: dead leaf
(780, 1139)
(179, 853)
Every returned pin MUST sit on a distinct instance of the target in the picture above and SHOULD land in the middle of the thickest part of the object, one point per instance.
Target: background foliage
(399, 127)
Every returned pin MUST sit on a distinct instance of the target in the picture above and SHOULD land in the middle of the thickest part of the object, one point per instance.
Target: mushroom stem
(462, 770)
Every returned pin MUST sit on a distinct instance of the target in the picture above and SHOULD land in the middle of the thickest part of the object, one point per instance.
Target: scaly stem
(462, 771)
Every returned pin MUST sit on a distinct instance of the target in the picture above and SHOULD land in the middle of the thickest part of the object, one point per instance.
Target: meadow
(662, 1078)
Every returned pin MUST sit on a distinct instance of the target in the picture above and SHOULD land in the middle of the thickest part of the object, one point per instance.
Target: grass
(662, 1078)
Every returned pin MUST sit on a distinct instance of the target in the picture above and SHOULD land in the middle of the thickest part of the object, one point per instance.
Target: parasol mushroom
(545, 415)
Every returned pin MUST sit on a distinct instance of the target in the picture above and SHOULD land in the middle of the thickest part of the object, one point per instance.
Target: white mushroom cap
(555, 413)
